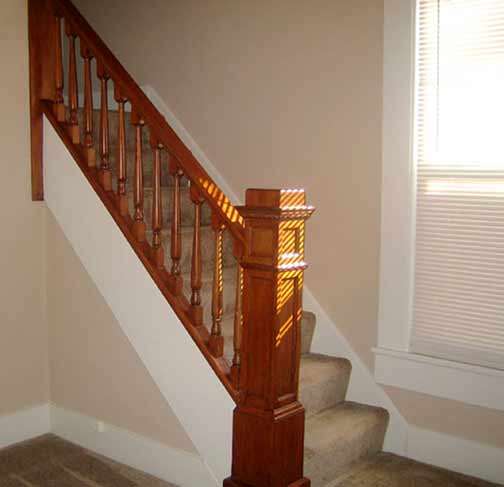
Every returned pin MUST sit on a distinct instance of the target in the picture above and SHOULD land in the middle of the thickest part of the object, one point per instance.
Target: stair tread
(323, 382)
(340, 424)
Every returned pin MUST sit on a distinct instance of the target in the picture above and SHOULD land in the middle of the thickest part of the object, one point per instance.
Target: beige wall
(288, 93)
(93, 367)
(23, 326)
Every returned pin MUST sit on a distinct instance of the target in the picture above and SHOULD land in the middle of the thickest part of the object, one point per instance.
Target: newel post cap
(275, 228)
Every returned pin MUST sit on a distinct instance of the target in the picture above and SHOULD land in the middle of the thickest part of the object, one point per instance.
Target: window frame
(395, 364)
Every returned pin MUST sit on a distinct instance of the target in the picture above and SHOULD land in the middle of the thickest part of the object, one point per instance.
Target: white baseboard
(24, 425)
(464, 456)
(173, 465)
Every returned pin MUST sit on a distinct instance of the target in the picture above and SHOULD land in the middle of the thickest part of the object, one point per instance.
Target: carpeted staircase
(339, 433)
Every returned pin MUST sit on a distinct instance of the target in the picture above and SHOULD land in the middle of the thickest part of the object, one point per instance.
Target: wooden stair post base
(105, 179)
(216, 345)
(268, 428)
(138, 230)
(90, 156)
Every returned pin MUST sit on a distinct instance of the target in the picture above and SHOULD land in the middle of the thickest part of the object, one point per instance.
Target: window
(459, 154)
(441, 312)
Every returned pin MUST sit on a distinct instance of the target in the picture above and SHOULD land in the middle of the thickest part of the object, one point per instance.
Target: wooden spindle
(138, 184)
(104, 175)
(176, 235)
(216, 342)
(157, 252)
(73, 101)
(88, 106)
(59, 101)
(238, 322)
(196, 263)
(122, 199)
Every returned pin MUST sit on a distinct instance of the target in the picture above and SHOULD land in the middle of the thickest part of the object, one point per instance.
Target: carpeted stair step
(228, 294)
(186, 207)
(307, 322)
(339, 436)
(207, 248)
(323, 382)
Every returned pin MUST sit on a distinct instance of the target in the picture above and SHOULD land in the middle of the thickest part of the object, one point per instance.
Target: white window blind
(459, 152)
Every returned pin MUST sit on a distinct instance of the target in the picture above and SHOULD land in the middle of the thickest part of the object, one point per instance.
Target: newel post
(268, 429)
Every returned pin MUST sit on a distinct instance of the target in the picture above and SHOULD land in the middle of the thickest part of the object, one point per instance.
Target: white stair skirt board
(179, 369)
(464, 456)
(24, 425)
(175, 466)
(327, 340)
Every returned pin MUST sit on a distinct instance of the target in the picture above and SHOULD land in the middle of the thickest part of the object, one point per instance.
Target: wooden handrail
(156, 122)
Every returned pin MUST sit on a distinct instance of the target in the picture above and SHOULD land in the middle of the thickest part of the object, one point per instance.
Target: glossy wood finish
(122, 199)
(155, 121)
(157, 252)
(237, 326)
(73, 99)
(88, 107)
(216, 342)
(59, 102)
(176, 235)
(196, 260)
(42, 52)
(104, 175)
(138, 181)
(268, 430)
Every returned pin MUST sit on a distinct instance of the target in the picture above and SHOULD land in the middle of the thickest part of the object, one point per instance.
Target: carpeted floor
(387, 470)
(49, 461)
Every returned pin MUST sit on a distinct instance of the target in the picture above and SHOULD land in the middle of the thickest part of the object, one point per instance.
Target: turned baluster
(176, 235)
(216, 343)
(73, 101)
(122, 199)
(196, 263)
(157, 253)
(138, 185)
(104, 175)
(88, 106)
(59, 101)
(238, 322)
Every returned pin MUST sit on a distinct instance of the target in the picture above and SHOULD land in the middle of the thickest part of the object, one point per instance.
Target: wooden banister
(267, 234)
(158, 125)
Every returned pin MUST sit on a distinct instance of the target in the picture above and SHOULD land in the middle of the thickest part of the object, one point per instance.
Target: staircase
(338, 433)
(233, 275)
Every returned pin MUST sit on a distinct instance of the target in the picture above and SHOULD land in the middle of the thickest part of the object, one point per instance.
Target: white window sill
(472, 384)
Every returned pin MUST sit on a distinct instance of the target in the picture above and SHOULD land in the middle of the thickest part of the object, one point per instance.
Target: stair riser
(323, 396)
(332, 462)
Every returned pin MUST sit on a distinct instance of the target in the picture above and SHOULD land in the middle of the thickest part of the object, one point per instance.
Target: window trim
(395, 365)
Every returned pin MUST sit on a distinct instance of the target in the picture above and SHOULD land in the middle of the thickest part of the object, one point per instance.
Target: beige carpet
(387, 470)
(49, 461)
